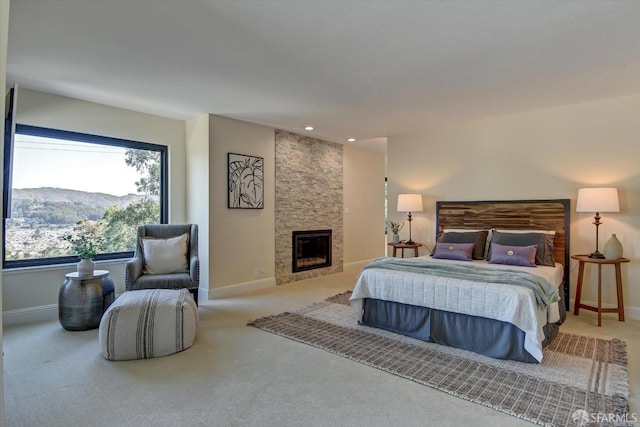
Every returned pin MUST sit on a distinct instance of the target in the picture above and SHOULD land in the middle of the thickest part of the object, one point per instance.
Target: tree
(120, 224)
(87, 239)
(148, 164)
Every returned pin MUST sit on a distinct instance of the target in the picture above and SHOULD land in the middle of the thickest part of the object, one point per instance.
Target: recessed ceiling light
(308, 128)
(351, 140)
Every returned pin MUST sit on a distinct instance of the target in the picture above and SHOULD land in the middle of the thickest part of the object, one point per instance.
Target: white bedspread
(507, 303)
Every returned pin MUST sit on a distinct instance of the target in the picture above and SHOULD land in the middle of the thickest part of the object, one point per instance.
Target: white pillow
(505, 230)
(164, 256)
(463, 230)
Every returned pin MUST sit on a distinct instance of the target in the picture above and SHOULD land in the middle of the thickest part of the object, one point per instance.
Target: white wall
(198, 193)
(4, 38)
(544, 154)
(38, 287)
(364, 174)
(242, 240)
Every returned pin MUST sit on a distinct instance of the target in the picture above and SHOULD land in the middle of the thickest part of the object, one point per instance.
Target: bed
(493, 307)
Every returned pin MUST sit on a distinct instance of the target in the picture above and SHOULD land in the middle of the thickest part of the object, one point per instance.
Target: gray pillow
(478, 238)
(544, 242)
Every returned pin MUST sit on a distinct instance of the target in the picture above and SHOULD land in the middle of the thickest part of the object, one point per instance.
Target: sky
(47, 162)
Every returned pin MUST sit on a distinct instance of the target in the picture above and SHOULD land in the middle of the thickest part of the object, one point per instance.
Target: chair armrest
(132, 270)
(194, 270)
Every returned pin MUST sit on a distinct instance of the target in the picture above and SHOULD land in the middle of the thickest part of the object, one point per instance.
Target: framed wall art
(245, 181)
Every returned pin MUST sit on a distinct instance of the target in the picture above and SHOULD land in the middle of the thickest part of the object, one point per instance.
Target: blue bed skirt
(490, 337)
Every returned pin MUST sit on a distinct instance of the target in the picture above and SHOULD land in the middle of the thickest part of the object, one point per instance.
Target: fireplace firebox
(311, 249)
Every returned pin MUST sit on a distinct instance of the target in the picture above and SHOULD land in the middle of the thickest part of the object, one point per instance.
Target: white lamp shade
(597, 200)
(409, 202)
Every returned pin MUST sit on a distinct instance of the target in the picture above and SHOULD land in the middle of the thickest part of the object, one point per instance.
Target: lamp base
(596, 254)
(409, 242)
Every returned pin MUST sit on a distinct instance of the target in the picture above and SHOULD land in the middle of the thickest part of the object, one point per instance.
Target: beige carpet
(579, 375)
(239, 376)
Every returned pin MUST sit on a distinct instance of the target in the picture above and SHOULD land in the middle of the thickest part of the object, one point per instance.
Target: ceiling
(364, 69)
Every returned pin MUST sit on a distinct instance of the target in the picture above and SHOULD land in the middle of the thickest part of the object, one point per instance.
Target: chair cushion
(148, 323)
(162, 256)
(163, 281)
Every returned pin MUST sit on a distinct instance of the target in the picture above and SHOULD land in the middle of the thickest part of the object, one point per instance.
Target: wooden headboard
(513, 215)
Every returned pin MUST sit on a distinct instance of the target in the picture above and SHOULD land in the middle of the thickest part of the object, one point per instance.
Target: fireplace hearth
(311, 249)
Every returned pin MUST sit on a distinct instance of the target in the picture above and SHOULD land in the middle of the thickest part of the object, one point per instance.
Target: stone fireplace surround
(309, 196)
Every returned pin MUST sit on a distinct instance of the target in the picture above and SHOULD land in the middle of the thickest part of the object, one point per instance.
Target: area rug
(580, 380)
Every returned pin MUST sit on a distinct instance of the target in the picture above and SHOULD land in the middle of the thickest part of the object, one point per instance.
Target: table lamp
(597, 200)
(410, 203)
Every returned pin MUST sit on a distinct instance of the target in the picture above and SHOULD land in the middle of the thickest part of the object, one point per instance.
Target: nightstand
(404, 246)
(584, 259)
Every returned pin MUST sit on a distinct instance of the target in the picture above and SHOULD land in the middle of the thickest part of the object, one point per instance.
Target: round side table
(83, 299)
(582, 259)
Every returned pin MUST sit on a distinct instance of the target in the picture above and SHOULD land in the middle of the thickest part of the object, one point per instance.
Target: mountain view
(48, 194)
(41, 216)
(47, 205)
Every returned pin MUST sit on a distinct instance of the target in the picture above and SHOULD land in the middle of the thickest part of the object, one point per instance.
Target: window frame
(93, 139)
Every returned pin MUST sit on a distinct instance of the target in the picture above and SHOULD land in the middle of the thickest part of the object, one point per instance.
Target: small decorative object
(245, 182)
(85, 244)
(86, 267)
(395, 229)
(613, 248)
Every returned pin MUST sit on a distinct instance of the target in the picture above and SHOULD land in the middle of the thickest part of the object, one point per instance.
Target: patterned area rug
(580, 380)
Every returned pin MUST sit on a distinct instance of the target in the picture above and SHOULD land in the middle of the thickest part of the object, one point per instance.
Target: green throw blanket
(544, 291)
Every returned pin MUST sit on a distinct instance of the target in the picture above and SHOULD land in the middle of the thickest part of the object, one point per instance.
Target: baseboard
(43, 313)
(631, 313)
(241, 288)
(357, 264)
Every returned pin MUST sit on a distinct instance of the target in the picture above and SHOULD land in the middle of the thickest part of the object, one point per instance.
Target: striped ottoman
(148, 323)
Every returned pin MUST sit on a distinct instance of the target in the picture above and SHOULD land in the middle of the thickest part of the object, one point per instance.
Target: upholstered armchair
(166, 257)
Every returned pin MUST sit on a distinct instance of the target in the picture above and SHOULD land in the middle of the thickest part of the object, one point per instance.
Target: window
(66, 183)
